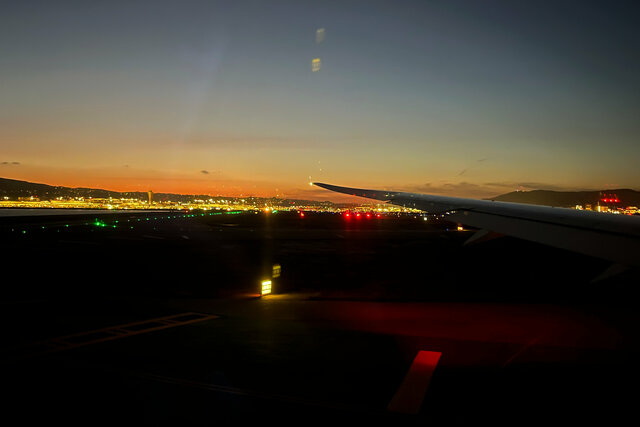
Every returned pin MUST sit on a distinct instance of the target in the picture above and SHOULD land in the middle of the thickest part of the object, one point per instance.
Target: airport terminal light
(265, 287)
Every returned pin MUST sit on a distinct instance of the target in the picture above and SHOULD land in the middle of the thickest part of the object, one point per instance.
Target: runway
(289, 355)
(163, 323)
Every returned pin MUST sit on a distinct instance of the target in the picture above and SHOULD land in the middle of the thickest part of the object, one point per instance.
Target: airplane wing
(612, 237)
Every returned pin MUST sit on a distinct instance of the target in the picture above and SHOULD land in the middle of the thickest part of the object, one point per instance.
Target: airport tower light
(150, 193)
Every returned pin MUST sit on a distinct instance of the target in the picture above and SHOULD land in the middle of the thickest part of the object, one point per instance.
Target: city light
(195, 206)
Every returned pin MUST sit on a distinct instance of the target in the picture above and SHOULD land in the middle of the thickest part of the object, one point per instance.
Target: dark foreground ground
(155, 319)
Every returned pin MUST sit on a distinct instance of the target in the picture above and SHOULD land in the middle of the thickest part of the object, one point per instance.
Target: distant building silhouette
(150, 197)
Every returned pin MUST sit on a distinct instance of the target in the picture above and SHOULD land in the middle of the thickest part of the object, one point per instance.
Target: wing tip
(321, 185)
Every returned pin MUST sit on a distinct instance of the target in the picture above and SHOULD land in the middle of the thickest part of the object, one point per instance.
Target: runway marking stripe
(297, 400)
(408, 399)
(120, 331)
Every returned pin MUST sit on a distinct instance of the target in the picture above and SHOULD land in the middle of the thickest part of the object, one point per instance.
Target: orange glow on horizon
(179, 184)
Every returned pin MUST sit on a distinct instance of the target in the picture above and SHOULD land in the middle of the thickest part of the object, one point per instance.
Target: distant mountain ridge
(626, 196)
(13, 189)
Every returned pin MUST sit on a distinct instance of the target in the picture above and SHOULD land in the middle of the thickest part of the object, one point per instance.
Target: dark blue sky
(465, 97)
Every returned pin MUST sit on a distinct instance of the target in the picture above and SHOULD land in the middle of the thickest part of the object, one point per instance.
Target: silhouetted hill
(569, 198)
(13, 189)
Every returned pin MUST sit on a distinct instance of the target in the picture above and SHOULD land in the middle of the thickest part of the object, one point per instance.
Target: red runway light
(368, 215)
(378, 216)
(357, 215)
(347, 215)
(301, 214)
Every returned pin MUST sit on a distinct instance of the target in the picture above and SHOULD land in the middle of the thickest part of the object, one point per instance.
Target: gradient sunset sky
(466, 98)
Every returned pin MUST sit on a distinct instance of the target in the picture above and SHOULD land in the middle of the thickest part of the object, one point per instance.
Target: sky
(464, 98)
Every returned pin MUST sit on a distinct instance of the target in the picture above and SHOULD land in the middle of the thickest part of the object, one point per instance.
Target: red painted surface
(408, 399)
